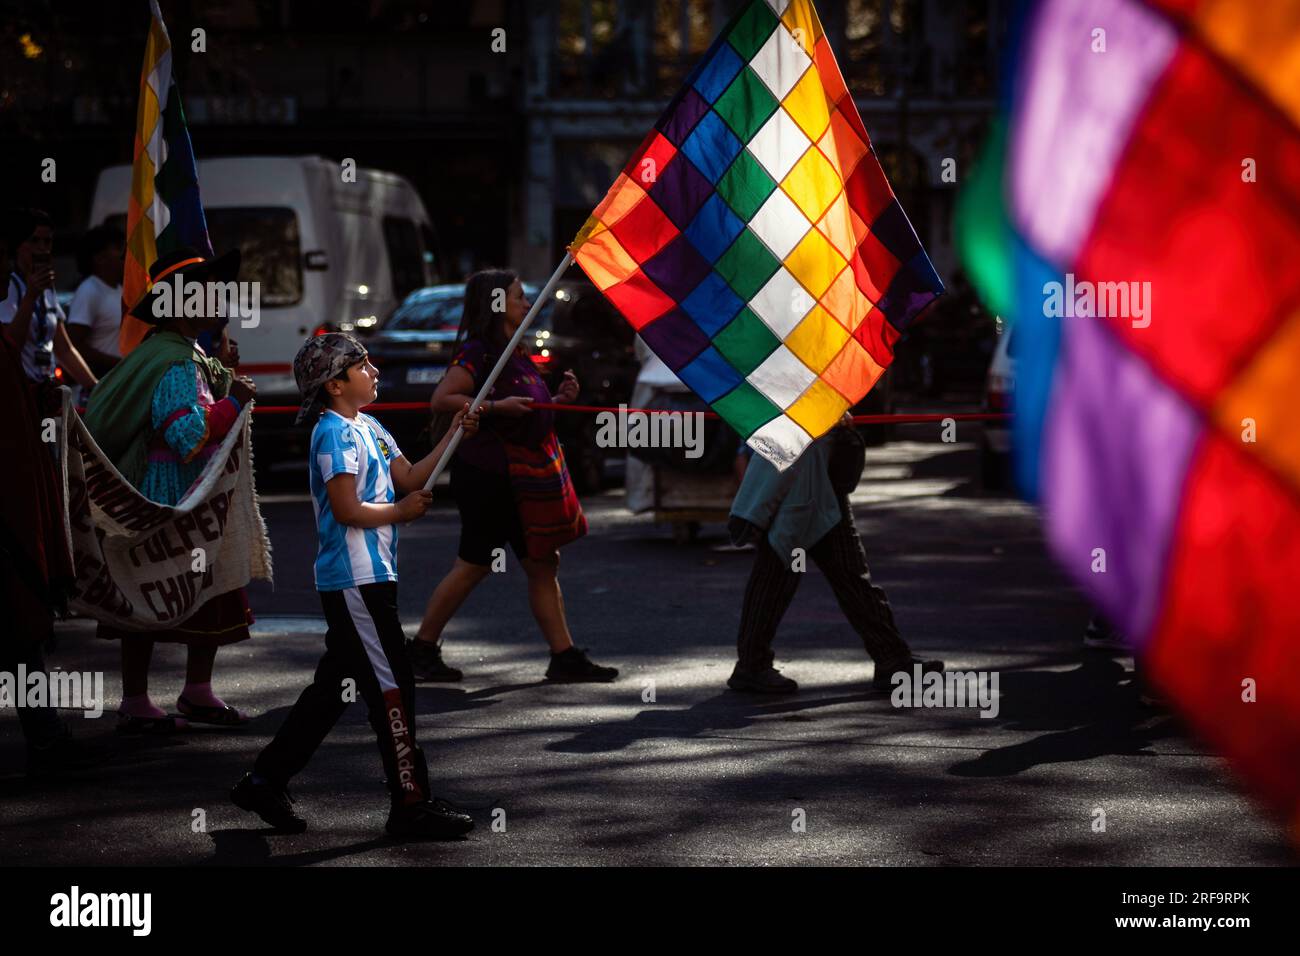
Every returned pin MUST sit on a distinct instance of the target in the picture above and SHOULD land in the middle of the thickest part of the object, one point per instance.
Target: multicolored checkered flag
(164, 211)
(753, 240)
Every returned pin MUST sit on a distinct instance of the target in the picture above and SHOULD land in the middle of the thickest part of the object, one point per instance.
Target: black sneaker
(883, 679)
(432, 820)
(574, 667)
(271, 803)
(428, 665)
(769, 680)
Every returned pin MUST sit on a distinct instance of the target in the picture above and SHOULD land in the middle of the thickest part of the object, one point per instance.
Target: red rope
(900, 419)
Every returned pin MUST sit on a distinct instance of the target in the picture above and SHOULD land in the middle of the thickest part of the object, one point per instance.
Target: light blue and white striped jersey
(349, 557)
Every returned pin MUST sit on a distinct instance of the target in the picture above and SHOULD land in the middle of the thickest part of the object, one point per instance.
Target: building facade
(599, 72)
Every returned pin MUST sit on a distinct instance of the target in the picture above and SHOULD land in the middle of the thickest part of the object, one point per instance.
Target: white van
(327, 253)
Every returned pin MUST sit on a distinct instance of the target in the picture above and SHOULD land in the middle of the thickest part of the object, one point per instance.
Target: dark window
(267, 237)
(405, 256)
(428, 315)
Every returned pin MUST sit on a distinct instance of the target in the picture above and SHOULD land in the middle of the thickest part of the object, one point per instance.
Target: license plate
(424, 375)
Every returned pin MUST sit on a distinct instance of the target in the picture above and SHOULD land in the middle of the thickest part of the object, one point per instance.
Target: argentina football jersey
(349, 557)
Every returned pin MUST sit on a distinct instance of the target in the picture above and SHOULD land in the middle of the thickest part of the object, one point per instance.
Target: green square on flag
(746, 342)
(745, 409)
(752, 30)
(746, 186)
(746, 104)
(747, 265)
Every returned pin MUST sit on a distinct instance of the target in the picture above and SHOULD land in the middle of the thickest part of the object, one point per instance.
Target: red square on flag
(639, 299)
(867, 189)
(649, 160)
(645, 230)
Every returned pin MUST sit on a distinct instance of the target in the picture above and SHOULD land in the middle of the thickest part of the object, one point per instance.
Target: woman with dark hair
(510, 481)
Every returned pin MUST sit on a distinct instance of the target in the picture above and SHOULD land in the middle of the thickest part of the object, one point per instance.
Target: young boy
(356, 470)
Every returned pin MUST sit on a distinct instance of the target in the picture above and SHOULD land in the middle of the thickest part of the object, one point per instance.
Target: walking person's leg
(137, 713)
(568, 664)
(197, 700)
(42, 727)
(51, 748)
(265, 791)
(365, 643)
(547, 601)
(387, 684)
(318, 708)
(481, 525)
(768, 594)
(843, 560)
(448, 596)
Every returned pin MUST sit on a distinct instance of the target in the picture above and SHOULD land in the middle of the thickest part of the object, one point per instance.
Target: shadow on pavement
(446, 699)
(725, 711)
(245, 847)
(1091, 711)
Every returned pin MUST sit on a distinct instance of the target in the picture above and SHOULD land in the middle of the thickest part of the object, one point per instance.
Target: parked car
(328, 254)
(999, 386)
(576, 329)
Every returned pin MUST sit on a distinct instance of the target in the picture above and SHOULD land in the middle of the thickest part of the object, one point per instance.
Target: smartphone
(41, 262)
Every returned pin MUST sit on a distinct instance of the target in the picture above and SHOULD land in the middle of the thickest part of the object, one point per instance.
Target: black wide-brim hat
(194, 266)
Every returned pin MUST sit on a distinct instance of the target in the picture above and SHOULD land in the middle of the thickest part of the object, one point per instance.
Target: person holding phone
(30, 313)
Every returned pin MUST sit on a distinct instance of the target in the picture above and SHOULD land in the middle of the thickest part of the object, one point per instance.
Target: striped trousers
(841, 558)
(364, 643)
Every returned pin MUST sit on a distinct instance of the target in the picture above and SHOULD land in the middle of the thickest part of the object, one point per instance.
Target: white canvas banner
(144, 566)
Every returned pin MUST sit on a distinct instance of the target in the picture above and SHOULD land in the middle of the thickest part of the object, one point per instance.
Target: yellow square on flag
(806, 103)
(814, 262)
(817, 339)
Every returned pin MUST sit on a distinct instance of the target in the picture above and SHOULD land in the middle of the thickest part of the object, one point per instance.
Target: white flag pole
(542, 296)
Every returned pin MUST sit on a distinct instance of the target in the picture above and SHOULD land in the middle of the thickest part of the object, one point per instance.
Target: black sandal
(217, 716)
(158, 726)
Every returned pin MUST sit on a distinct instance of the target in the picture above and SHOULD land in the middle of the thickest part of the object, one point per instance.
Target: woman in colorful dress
(159, 416)
(510, 482)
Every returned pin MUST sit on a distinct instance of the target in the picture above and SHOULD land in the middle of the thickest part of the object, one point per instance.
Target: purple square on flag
(681, 116)
(914, 286)
(677, 268)
(674, 338)
(680, 190)
(895, 232)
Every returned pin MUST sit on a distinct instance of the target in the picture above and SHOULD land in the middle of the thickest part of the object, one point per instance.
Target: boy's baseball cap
(321, 358)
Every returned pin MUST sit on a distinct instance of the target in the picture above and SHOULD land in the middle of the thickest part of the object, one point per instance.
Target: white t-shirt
(38, 349)
(98, 305)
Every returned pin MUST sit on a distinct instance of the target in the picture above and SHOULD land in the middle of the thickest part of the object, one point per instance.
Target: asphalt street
(666, 765)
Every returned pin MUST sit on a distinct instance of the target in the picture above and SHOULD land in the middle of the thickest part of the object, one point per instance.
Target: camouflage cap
(321, 358)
